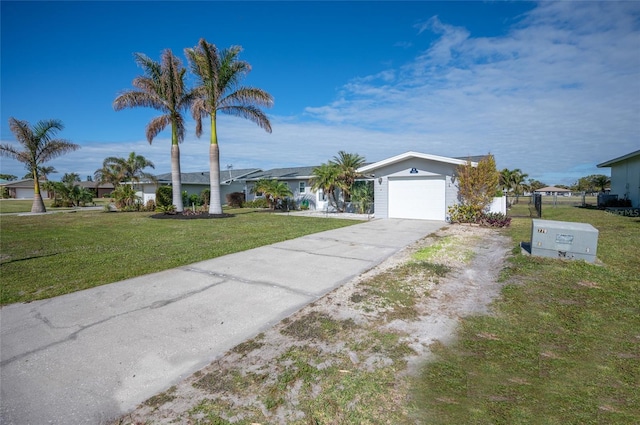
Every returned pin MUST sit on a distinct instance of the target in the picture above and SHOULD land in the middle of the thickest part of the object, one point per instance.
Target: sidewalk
(91, 356)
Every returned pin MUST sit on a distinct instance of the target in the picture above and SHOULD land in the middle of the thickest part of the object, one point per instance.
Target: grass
(563, 348)
(48, 255)
(8, 206)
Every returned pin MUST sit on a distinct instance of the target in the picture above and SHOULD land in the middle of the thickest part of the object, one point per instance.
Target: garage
(414, 185)
(24, 193)
(417, 198)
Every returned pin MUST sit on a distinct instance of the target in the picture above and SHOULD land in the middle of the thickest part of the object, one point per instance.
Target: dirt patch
(383, 322)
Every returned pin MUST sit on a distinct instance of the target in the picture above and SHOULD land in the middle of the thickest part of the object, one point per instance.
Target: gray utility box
(562, 239)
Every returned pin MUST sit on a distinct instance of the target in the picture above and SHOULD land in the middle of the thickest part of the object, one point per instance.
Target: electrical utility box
(562, 239)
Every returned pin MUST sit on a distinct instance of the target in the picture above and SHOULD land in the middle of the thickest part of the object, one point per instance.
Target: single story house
(297, 178)
(412, 185)
(99, 190)
(552, 190)
(195, 183)
(415, 185)
(23, 189)
(625, 177)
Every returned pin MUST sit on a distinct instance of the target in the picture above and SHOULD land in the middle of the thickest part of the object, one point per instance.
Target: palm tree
(518, 179)
(325, 178)
(116, 170)
(506, 177)
(273, 190)
(162, 87)
(219, 90)
(43, 172)
(601, 181)
(39, 147)
(348, 164)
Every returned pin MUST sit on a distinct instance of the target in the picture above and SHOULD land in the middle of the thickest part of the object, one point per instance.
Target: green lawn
(24, 205)
(48, 255)
(563, 346)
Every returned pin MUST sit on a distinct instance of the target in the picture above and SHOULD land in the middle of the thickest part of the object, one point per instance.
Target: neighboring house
(99, 190)
(23, 189)
(297, 178)
(552, 190)
(625, 177)
(415, 185)
(195, 183)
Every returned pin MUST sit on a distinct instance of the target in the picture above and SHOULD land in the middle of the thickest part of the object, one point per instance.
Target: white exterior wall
(381, 197)
(625, 180)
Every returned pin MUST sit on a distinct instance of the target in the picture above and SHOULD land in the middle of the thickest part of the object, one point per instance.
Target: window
(301, 187)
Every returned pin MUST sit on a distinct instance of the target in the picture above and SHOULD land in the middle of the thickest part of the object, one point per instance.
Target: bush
(195, 200)
(164, 196)
(468, 214)
(618, 203)
(150, 206)
(205, 196)
(257, 203)
(235, 199)
(459, 213)
(494, 220)
(166, 209)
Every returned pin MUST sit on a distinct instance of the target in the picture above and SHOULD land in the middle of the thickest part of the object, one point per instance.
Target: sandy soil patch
(473, 256)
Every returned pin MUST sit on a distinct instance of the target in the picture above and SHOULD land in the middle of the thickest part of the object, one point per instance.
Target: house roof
(292, 173)
(411, 154)
(552, 189)
(21, 183)
(226, 176)
(95, 184)
(619, 159)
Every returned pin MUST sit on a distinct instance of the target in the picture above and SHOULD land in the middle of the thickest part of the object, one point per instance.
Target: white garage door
(24, 193)
(417, 198)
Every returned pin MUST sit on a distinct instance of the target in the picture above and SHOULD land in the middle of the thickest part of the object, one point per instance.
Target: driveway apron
(91, 356)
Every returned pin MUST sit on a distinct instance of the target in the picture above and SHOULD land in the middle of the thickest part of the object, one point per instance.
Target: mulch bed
(189, 216)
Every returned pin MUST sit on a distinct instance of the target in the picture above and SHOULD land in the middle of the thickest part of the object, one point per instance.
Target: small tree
(39, 147)
(273, 190)
(478, 185)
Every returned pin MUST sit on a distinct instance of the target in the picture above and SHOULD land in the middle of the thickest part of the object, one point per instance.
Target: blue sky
(552, 88)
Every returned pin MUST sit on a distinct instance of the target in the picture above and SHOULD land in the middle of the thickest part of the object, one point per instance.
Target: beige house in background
(625, 177)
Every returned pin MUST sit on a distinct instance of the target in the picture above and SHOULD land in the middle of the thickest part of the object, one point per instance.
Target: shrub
(150, 206)
(257, 203)
(164, 196)
(205, 196)
(494, 220)
(235, 199)
(468, 214)
(618, 203)
(459, 213)
(195, 200)
(166, 209)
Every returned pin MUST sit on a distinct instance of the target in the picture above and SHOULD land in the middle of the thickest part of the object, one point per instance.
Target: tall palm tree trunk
(38, 203)
(215, 205)
(175, 178)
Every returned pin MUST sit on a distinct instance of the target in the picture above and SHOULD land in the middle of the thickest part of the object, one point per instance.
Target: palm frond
(156, 125)
(252, 113)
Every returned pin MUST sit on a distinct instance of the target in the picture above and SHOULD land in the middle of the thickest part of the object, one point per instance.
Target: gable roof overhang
(619, 159)
(411, 155)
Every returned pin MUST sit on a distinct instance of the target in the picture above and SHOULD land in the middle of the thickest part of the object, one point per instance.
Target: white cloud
(556, 95)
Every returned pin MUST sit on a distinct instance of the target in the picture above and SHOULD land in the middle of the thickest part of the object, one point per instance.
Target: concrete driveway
(92, 356)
